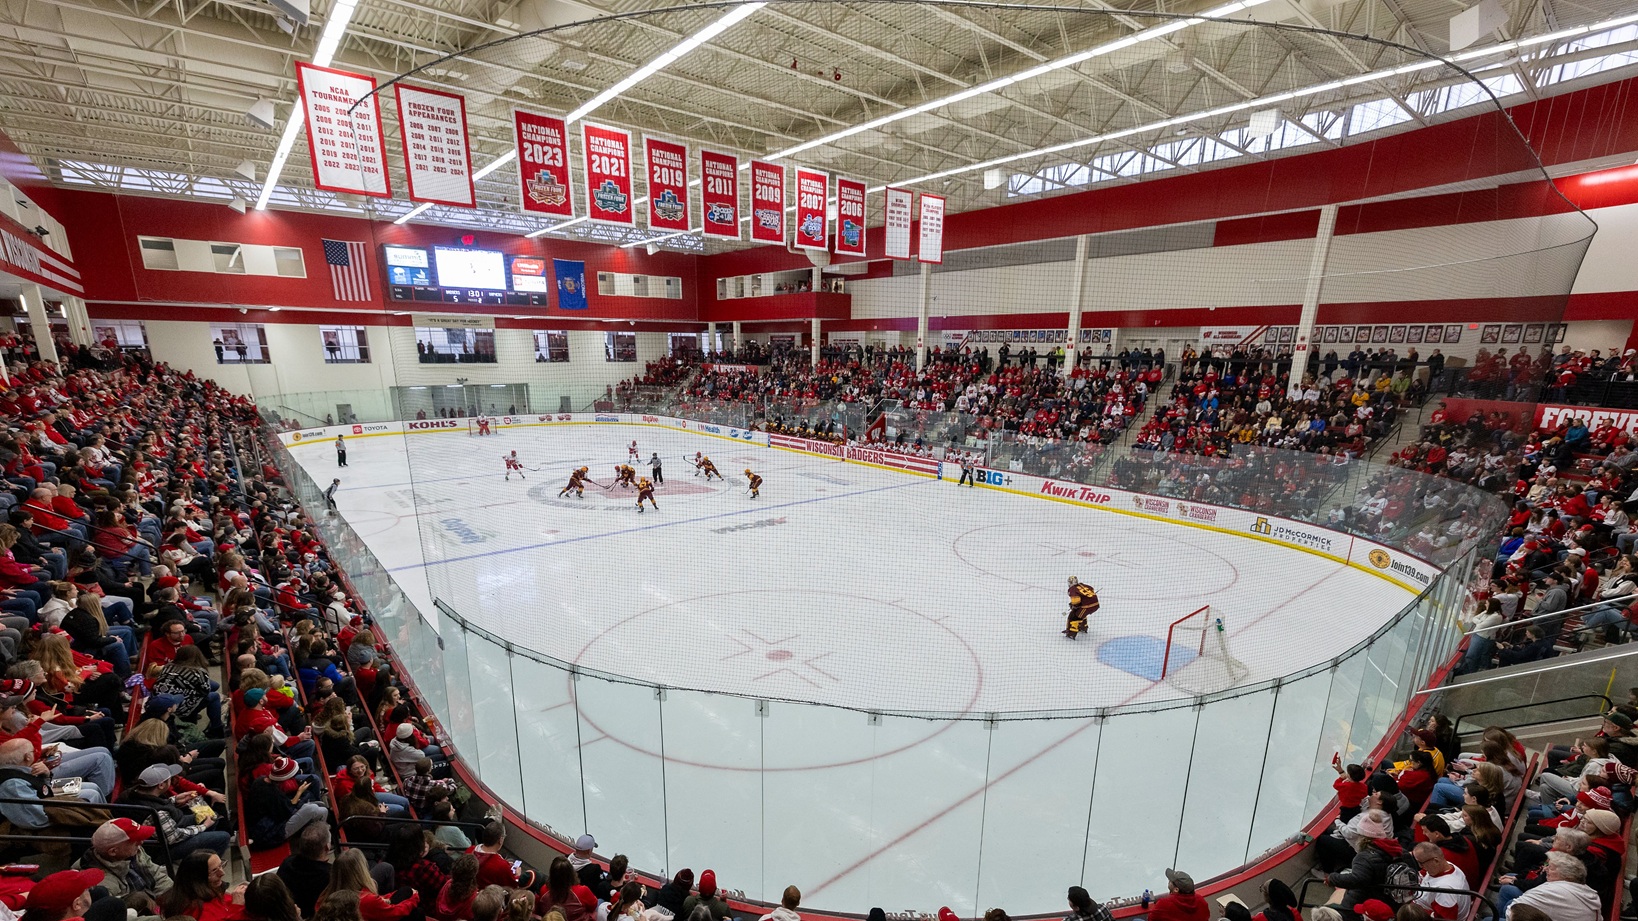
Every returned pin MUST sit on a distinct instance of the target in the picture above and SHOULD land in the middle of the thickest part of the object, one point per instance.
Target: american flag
(349, 270)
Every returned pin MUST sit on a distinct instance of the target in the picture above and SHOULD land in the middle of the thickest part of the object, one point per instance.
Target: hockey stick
(594, 482)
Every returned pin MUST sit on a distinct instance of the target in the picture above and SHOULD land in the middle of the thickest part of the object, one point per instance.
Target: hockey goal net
(1197, 658)
(472, 427)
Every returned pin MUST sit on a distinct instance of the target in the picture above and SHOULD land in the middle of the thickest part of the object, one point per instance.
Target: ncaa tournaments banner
(667, 184)
(571, 284)
(347, 148)
(608, 175)
(897, 223)
(437, 158)
(850, 217)
(767, 202)
(932, 229)
(719, 194)
(812, 200)
(543, 163)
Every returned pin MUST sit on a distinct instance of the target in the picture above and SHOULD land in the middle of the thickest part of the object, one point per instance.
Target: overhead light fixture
(246, 169)
(993, 179)
(417, 210)
(334, 28)
(261, 113)
(722, 24)
(238, 204)
(653, 249)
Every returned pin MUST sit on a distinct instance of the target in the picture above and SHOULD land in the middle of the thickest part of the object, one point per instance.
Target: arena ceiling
(151, 96)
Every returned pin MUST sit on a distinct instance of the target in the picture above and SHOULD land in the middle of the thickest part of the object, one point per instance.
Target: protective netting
(602, 670)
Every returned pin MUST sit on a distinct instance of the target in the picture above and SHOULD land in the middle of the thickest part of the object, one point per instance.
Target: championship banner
(850, 217)
(932, 229)
(608, 174)
(719, 194)
(897, 220)
(543, 163)
(667, 184)
(346, 148)
(437, 157)
(812, 198)
(767, 202)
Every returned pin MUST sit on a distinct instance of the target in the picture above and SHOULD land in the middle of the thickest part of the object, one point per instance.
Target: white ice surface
(862, 588)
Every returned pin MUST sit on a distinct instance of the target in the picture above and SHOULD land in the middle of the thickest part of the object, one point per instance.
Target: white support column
(1310, 299)
(1077, 300)
(924, 301)
(813, 347)
(710, 337)
(39, 321)
(737, 340)
(79, 322)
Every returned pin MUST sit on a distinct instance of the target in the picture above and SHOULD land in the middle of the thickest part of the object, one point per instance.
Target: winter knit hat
(1375, 828)
(708, 884)
(1596, 798)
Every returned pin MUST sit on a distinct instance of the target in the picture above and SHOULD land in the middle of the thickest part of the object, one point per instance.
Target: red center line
(851, 868)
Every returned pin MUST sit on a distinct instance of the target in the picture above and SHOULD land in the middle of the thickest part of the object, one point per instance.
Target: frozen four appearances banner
(543, 164)
(932, 229)
(719, 194)
(608, 175)
(346, 147)
(812, 200)
(437, 158)
(767, 202)
(850, 217)
(667, 184)
(897, 219)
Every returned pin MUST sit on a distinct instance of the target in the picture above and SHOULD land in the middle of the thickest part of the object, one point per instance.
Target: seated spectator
(274, 814)
(354, 772)
(116, 851)
(188, 823)
(493, 867)
(24, 778)
(1083, 908)
(670, 897)
(708, 898)
(1443, 884)
(1563, 896)
(454, 901)
(268, 899)
(199, 890)
(1180, 903)
(407, 854)
(61, 896)
(1375, 849)
(187, 677)
(306, 872)
(351, 873)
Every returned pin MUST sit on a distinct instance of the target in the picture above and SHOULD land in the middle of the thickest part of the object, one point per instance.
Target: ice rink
(854, 586)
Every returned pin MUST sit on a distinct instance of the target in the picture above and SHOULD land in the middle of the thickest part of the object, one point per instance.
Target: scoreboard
(453, 275)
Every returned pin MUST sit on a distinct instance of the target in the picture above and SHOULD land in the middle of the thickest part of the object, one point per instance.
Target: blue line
(652, 527)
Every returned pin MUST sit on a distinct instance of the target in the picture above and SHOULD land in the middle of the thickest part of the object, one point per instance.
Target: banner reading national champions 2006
(850, 217)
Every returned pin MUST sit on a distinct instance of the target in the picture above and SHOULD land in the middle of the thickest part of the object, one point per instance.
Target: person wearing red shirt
(1180, 903)
(162, 648)
(493, 867)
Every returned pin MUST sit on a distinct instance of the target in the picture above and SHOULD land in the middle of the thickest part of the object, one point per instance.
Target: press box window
(345, 345)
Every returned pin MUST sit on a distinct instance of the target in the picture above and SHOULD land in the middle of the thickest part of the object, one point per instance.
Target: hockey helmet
(585, 470)
(747, 471)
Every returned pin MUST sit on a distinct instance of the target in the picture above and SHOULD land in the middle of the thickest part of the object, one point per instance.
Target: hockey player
(625, 475)
(512, 463)
(483, 425)
(632, 453)
(698, 462)
(645, 490)
(756, 483)
(1083, 603)
(709, 469)
(577, 484)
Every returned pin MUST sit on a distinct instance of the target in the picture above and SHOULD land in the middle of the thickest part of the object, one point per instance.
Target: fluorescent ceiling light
(418, 209)
(665, 60)
(999, 83)
(329, 41)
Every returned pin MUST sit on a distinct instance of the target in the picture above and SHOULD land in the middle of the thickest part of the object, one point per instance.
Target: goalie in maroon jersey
(513, 464)
(1083, 603)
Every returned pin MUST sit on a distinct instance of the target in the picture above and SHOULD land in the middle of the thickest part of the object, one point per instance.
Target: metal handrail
(149, 815)
(1551, 614)
(1540, 703)
(1479, 898)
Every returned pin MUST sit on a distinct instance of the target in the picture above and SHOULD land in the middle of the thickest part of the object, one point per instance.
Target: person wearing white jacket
(787, 907)
(1565, 896)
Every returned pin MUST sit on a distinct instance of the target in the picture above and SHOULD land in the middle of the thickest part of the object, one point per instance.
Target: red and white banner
(346, 147)
(897, 223)
(850, 217)
(608, 174)
(894, 459)
(809, 445)
(812, 200)
(767, 202)
(667, 184)
(932, 229)
(21, 254)
(543, 164)
(719, 194)
(437, 157)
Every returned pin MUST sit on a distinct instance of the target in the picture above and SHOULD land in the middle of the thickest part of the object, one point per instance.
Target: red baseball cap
(58, 891)
(120, 831)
